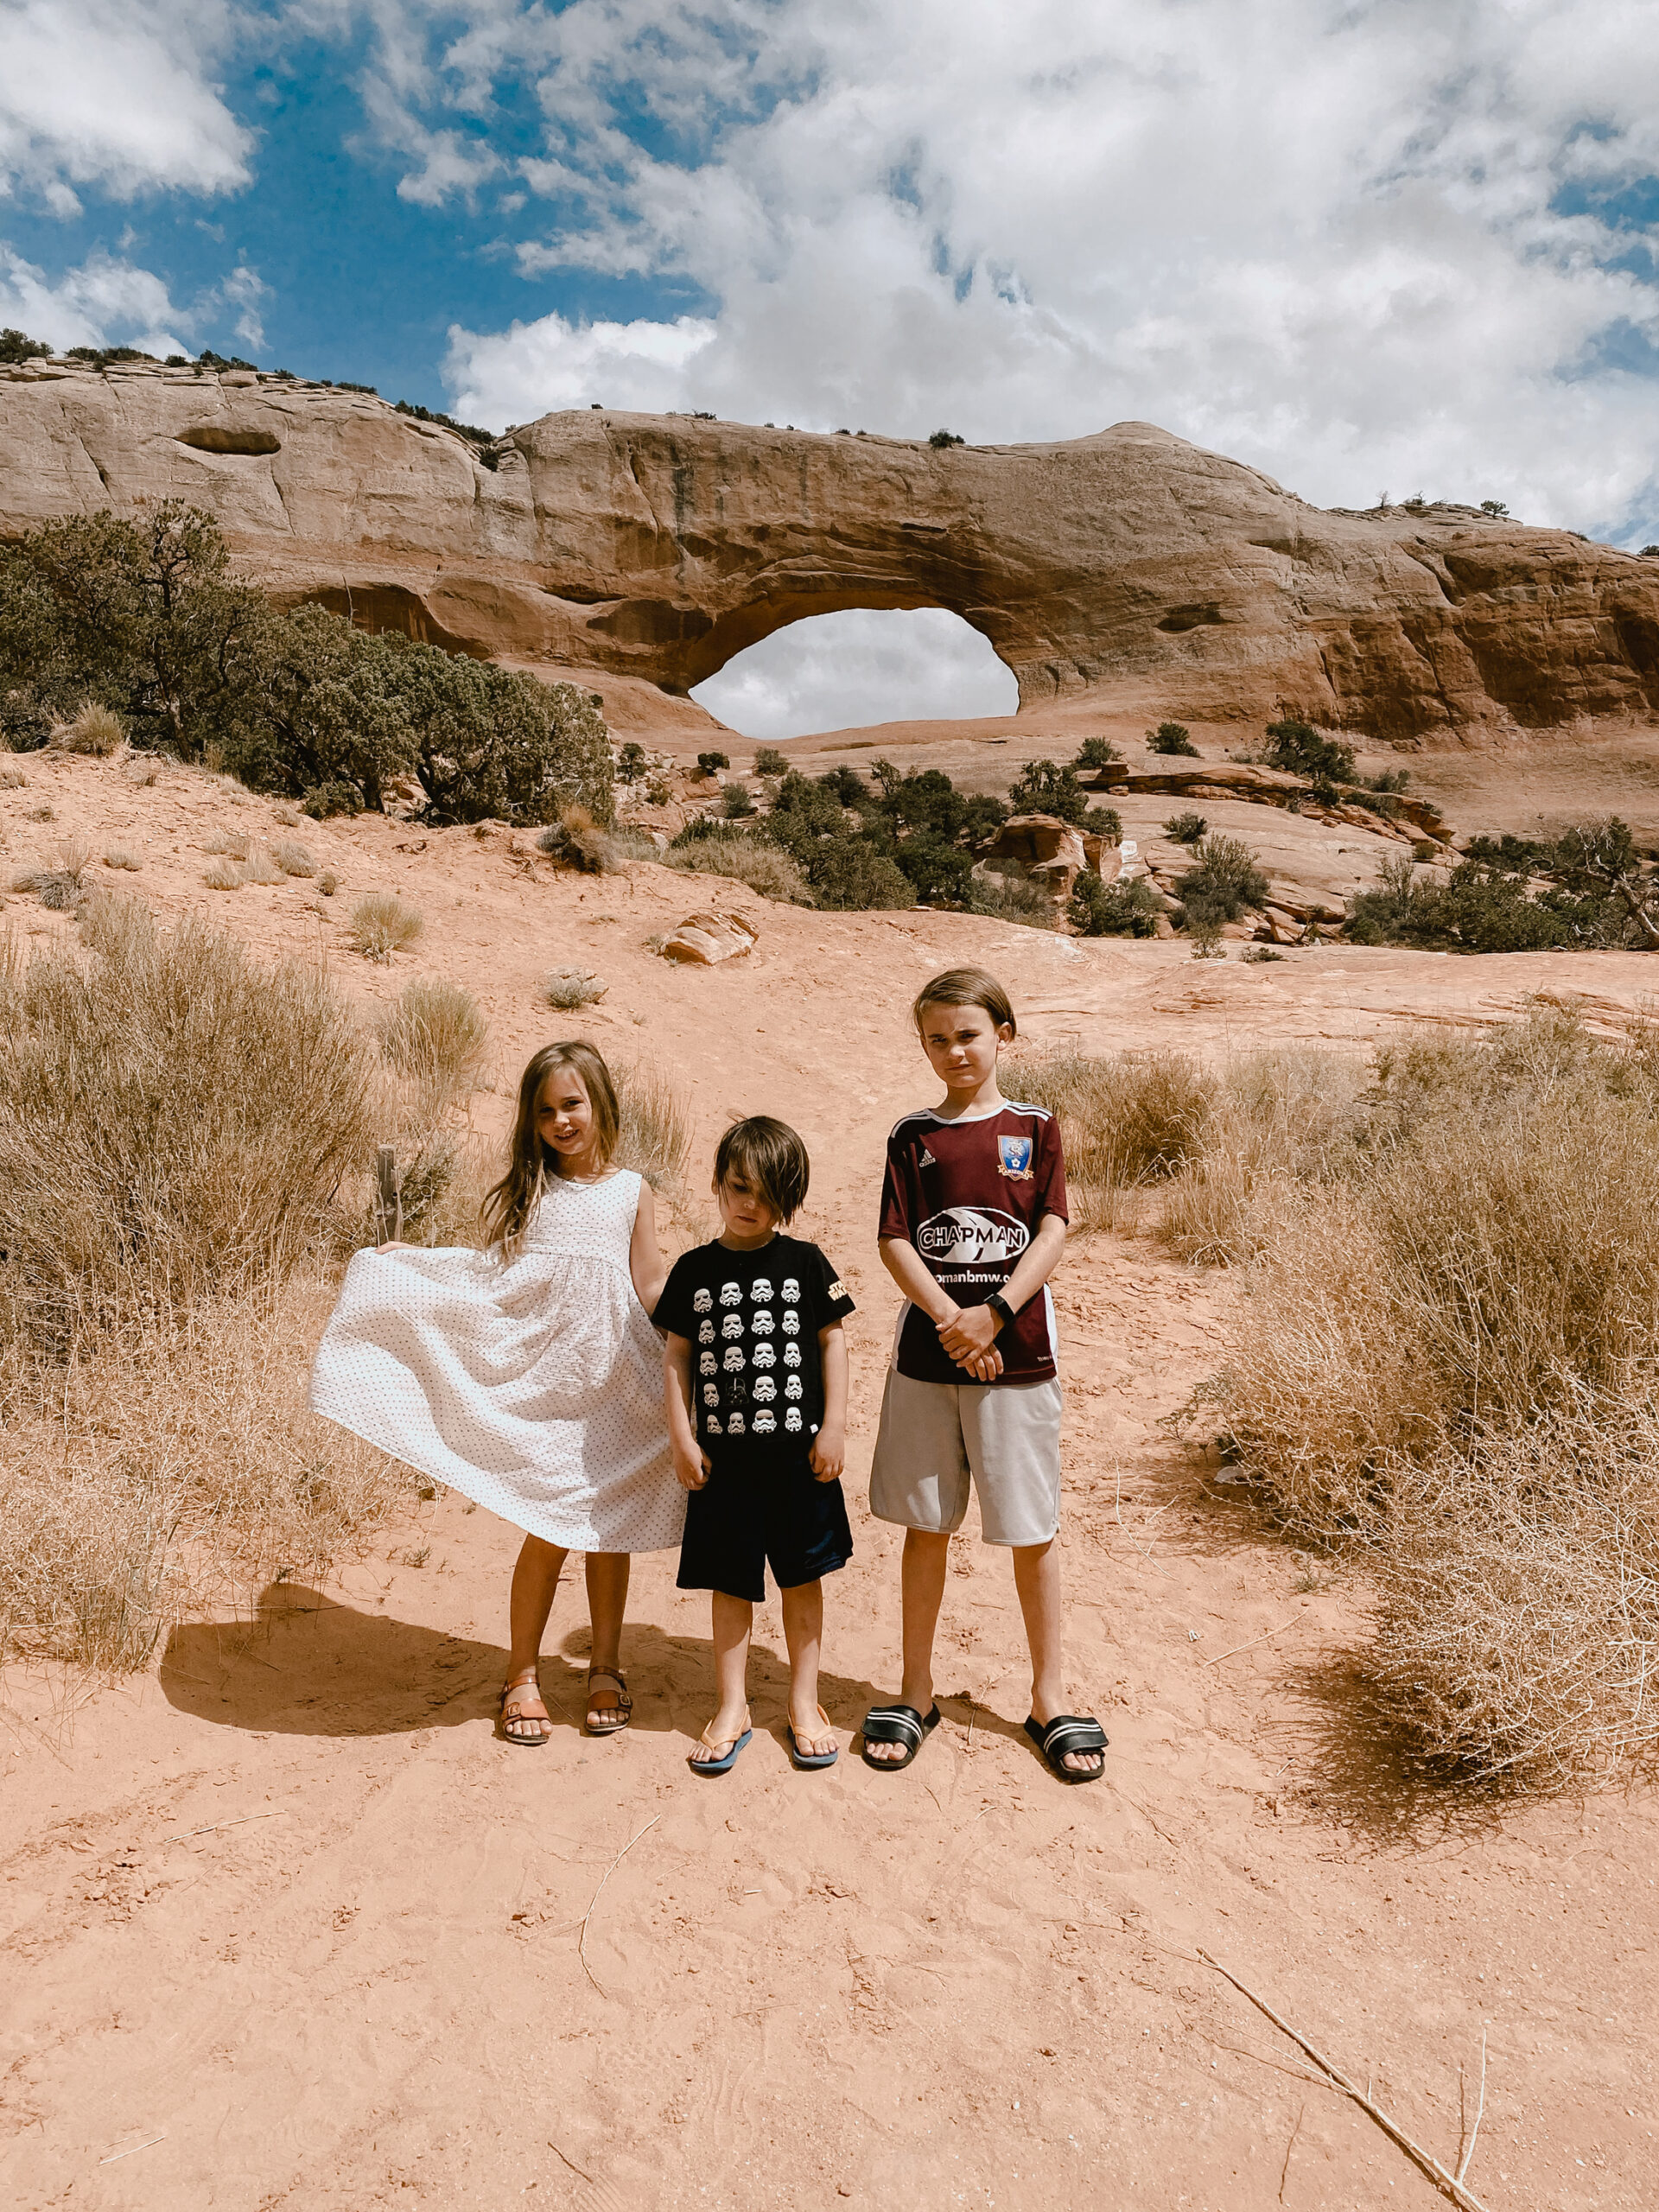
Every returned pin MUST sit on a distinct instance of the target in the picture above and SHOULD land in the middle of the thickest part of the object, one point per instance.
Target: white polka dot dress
(535, 1387)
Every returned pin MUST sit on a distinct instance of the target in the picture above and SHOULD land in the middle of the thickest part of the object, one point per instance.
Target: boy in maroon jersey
(973, 1223)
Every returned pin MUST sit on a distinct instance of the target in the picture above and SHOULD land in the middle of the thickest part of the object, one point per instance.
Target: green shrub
(1173, 738)
(1301, 750)
(736, 802)
(850, 874)
(769, 761)
(1097, 909)
(1014, 898)
(941, 439)
(1227, 878)
(1041, 787)
(707, 762)
(630, 762)
(1186, 829)
(1103, 821)
(1096, 753)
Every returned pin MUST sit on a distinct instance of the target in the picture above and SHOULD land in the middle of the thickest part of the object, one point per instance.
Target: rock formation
(1129, 565)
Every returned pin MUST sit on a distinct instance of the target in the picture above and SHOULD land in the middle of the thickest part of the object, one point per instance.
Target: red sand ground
(285, 1923)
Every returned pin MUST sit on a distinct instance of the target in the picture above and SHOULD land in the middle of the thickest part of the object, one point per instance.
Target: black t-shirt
(751, 1319)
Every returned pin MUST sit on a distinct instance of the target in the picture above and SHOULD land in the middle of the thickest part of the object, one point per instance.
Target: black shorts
(760, 1506)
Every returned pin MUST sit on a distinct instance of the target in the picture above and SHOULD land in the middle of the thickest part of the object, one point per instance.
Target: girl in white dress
(528, 1376)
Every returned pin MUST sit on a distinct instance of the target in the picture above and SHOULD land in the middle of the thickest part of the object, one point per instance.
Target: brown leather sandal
(516, 1713)
(623, 1708)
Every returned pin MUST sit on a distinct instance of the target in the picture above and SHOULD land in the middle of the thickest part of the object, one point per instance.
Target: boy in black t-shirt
(756, 1370)
(973, 1223)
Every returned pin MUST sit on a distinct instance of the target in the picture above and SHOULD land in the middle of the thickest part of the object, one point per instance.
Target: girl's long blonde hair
(509, 1204)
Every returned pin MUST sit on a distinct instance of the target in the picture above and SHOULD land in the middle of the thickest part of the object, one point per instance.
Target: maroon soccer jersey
(969, 1194)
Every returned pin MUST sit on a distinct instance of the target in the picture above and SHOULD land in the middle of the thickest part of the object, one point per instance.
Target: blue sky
(1366, 245)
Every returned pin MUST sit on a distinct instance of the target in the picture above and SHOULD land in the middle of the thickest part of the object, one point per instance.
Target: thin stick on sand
(1463, 2163)
(581, 1947)
(132, 2147)
(213, 1827)
(1218, 1656)
(1450, 2185)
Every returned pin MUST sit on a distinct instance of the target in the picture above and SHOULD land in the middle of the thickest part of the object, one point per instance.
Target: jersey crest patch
(837, 1290)
(1014, 1158)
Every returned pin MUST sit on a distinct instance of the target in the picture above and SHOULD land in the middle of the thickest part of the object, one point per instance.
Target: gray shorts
(934, 1436)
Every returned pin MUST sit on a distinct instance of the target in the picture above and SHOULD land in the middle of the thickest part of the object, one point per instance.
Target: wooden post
(389, 1203)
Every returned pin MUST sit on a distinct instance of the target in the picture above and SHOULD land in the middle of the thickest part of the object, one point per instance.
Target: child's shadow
(309, 1666)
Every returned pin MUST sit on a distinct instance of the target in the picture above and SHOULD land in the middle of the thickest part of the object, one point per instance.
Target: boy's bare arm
(829, 1452)
(974, 1328)
(691, 1462)
(905, 1264)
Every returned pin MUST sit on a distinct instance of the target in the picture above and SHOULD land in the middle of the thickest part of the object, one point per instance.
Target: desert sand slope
(1127, 568)
(286, 1923)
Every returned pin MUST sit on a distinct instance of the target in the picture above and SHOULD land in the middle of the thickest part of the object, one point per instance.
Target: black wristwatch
(1001, 1307)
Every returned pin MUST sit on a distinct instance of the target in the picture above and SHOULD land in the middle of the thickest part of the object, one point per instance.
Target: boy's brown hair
(771, 1159)
(966, 987)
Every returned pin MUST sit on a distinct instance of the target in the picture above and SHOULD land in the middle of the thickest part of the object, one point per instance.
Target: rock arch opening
(860, 665)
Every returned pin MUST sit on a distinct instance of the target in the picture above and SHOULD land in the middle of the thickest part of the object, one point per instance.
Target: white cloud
(1328, 240)
(115, 93)
(102, 303)
(844, 672)
(536, 367)
(244, 288)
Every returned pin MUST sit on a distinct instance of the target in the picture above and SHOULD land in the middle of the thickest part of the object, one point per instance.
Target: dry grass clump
(173, 1122)
(381, 924)
(1517, 1632)
(1126, 1122)
(756, 862)
(230, 844)
(435, 1034)
(174, 1126)
(119, 856)
(655, 1133)
(292, 857)
(1279, 1122)
(223, 875)
(1448, 1352)
(567, 988)
(60, 886)
(259, 868)
(95, 729)
(12, 779)
(170, 1466)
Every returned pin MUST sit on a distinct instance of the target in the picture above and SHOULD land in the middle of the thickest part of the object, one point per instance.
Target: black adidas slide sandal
(896, 1723)
(1068, 1732)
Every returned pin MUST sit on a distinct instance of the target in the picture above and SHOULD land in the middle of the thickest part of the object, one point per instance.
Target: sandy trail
(364, 1983)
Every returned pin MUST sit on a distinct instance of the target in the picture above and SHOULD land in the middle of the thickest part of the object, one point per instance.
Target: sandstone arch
(1128, 566)
(859, 666)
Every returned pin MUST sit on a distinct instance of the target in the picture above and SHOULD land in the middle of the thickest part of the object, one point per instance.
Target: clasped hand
(968, 1334)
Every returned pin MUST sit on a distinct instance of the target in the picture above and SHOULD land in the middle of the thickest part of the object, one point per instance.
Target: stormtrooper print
(752, 1320)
